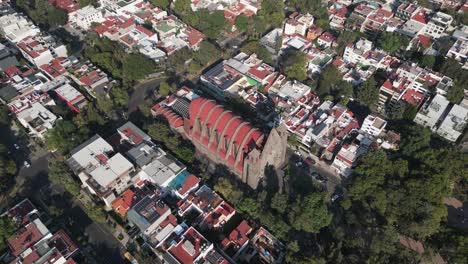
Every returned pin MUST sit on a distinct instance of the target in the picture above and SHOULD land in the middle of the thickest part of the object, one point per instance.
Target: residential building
(72, 97)
(376, 22)
(459, 52)
(86, 16)
(263, 248)
(326, 40)
(454, 123)
(272, 40)
(56, 67)
(37, 120)
(237, 240)
(298, 24)
(16, 27)
(148, 214)
(363, 53)
(69, 6)
(39, 49)
(373, 125)
(438, 25)
(406, 10)
(349, 153)
(187, 246)
(102, 174)
(432, 112)
(34, 243)
(7, 58)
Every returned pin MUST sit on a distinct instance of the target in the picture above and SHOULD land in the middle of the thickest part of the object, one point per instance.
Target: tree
(119, 96)
(211, 23)
(161, 3)
(279, 202)
(56, 16)
(249, 206)
(7, 228)
(264, 55)
(207, 54)
(166, 89)
(427, 61)
(182, 7)
(294, 64)
(60, 174)
(228, 190)
(392, 42)
(242, 22)
(64, 136)
(310, 214)
(368, 93)
(455, 94)
(4, 115)
(137, 66)
(104, 104)
(83, 3)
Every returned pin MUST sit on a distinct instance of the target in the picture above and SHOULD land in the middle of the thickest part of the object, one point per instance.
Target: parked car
(310, 161)
(335, 197)
(318, 177)
(26, 164)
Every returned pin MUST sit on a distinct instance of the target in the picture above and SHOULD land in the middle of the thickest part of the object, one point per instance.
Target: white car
(16, 146)
(334, 197)
(26, 164)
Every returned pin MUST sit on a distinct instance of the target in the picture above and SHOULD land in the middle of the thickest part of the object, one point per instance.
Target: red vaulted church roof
(227, 124)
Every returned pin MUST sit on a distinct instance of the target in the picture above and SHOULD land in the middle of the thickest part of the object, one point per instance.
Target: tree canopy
(109, 55)
(368, 93)
(65, 136)
(294, 64)
(392, 42)
(42, 12)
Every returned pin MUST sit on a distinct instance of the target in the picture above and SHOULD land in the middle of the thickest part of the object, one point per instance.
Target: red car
(310, 161)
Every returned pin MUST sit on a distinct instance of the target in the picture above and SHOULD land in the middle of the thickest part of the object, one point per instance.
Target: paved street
(324, 169)
(34, 179)
(141, 91)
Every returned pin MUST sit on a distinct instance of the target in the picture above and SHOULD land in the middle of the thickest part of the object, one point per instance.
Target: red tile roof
(12, 71)
(124, 202)
(63, 243)
(195, 37)
(189, 184)
(425, 41)
(238, 236)
(54, 68)
(24, 238)
(189, 248)
(67, 5)
(412, 97)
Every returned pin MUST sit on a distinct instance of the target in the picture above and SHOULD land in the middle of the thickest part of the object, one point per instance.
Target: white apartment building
(431, 113)
(459, 52)
(298, 24)
(85, 16)
(438, 25)
(40, 50)
(37, 120)
(16, 27)
(357, 53)
(101, 174)
(454, 123)
(373, 125)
